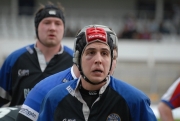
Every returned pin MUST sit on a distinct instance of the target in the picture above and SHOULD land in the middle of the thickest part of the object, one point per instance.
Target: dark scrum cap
(48, 11)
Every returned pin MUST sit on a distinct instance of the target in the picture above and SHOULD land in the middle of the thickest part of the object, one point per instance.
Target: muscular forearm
(165, 112)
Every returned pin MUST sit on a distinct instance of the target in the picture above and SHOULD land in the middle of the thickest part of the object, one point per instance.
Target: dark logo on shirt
(23, 72)
(113, 117)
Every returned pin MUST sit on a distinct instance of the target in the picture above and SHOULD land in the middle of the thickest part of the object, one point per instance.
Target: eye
(105, 53)
(58, 23)
(91, 52)
(46, 22)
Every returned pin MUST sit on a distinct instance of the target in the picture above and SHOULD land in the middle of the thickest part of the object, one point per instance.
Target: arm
(5, 82)
(46, 112)
(31, 106)
(165, 112)
(170, 101)
(147, 113)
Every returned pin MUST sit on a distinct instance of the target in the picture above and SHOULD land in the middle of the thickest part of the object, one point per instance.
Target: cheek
(86, 61)
(61, 29)
(41, 29)
(88, 57)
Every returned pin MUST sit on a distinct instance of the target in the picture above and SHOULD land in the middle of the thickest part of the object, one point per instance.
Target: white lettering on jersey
(23, 72)
(70, 90)
(26, 91)
(29, 112)
(69, 119)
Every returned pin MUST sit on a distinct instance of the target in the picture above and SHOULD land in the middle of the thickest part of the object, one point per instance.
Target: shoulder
(137, 101)
(127, 91)
(17, 53)
(23, 49)
(8, 113)
(55, 78)
(68, 50)
(174, 89)
(63, 89)
(172, 95)
(14, 56)
(44, 86)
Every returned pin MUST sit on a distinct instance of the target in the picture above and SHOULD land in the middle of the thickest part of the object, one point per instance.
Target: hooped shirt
(24, 68)
(117, 101)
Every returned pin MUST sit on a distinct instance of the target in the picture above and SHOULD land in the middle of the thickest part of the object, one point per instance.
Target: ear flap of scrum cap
(76, 57)
(76, 53)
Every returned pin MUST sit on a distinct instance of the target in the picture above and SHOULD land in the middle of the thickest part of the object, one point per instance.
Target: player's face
(50, 31)
(114, 62)
(96, 61)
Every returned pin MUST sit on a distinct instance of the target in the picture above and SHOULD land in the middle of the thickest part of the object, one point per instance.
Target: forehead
(52, 19)
(97, 45)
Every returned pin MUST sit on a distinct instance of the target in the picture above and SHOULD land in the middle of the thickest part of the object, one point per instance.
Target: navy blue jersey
(22, 70)
(117, 101)
(37, 94)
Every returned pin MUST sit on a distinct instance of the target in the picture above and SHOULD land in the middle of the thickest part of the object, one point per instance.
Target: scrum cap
(92, 33)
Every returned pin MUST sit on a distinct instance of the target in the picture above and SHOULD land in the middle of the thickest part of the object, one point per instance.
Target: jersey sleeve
(172, 95)
(37, 94)
(138, 102)
(5, 79)
(145, 113)
(47, 108)
(6, 74)
(30, 108)
(51, 101)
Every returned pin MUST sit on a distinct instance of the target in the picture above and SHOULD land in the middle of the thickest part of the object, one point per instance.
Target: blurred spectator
(163, 29)
(129, 31)
(69, 32)
(145, 34)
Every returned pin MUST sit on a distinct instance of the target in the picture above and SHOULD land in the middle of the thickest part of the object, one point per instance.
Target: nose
(52, 26)
(98, 58)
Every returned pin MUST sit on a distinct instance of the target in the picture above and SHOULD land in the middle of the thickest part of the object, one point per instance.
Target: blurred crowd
(149, 29)
(142, 29)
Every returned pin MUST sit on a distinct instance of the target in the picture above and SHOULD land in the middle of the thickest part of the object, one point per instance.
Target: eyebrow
(92, 48)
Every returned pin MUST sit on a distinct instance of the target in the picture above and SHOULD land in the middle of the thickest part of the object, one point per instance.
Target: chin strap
(85, 78)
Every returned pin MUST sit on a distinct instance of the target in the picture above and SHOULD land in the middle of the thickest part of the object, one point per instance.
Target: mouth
(98, 71)
(51, 35)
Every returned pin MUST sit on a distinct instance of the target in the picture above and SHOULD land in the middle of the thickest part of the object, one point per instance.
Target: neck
(76, 71)
(48, 52)
(86, 85)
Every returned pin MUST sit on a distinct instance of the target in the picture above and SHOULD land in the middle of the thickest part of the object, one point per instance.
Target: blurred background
(148, 32)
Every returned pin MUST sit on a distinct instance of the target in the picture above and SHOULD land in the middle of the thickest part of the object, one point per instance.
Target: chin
(96, 80)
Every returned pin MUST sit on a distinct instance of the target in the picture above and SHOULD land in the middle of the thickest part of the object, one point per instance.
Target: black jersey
(9, 113)
(23, 69)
